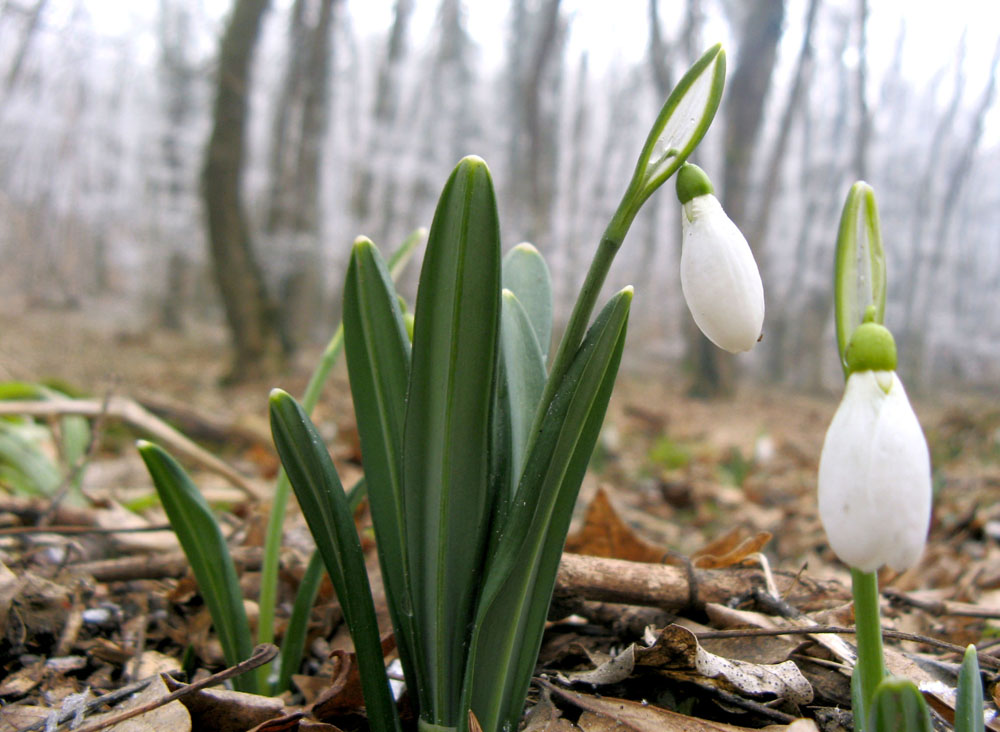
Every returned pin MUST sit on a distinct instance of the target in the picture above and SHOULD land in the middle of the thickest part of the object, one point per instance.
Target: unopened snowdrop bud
(875, 470)
(719, 276)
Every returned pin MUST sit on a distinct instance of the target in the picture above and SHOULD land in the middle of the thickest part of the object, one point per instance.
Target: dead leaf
(546, 717)
(223, 710)
(676, 647)
(21, 682)
(639, 717)
(171, 716)
(615, 669)
(604, 534)
(729, 549)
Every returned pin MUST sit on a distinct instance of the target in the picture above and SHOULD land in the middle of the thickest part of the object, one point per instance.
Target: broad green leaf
(521, 574)
(378, 364)
(23, 464)
(447, 434)
(524, 372)
(205, 548)
(527, 276)
(969, 702)
(331, 522)
(294, 641)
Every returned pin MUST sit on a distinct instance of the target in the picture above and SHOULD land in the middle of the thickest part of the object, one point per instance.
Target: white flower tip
(719, 277)
(875, 476)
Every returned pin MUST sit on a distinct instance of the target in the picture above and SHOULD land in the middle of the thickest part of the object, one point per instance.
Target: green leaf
(378, 364)
(24, 466)
(859, 266)
(324, 505)
(898, 706)
(527, 276)
(524, 372)
(294, 641)
(206, 551)
(520, 576)
(969, 704)
(446, 453)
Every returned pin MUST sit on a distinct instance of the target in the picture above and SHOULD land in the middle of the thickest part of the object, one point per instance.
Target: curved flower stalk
(719, 277)
(874, 471)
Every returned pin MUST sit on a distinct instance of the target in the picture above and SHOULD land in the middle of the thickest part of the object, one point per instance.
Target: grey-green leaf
(969, 702)
(527, 276)
(521, 574)
(206, 551)
(447, 435)
(524, 369)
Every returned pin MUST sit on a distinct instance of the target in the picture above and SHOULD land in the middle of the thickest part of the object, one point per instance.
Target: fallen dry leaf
(604, 534)
(729, 549)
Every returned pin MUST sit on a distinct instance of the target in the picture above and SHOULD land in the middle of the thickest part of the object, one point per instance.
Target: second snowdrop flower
(719, 276)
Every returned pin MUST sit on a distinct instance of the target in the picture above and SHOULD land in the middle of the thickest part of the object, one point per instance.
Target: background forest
(136, 188)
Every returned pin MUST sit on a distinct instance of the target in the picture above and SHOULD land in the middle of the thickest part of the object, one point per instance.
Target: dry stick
(261, 655)
(71, 530)
(76, 469)
(133, 414)
(943, 607)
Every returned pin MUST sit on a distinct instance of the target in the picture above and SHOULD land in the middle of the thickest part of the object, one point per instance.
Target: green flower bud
(871, 347)
(692, 182)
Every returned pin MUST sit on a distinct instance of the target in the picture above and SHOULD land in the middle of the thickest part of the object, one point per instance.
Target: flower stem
(870, 665)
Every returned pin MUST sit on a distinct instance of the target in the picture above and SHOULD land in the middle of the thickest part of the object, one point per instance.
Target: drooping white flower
(719, 277)
(875, 476)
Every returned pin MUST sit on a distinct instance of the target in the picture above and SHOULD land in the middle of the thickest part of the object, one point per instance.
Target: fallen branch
(134, 415)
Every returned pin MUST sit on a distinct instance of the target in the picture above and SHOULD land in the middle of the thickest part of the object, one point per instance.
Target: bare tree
(293, 221)
(863, 140)
(249, 312)
(760, 33)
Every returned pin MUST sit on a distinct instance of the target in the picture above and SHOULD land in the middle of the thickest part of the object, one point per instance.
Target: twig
(93, 704)
(943, 607)
(133, 414)
(262, 654)
(76, 469)
(71, 530)
(984, 658)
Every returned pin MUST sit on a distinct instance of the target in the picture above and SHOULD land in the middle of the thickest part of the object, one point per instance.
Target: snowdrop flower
(875, 471)
(719, 276)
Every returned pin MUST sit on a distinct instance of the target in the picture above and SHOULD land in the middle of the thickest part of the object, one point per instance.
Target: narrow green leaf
(378, 365)
(294, 641)
(446, 451)
(206, 551)
(527, 276)
(969, 704)
(324, 505)
(520, 576)
(524, 372)
(898, 705)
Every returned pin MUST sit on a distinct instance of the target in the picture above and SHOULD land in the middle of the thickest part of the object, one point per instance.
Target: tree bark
(249, 312)
(744, 112)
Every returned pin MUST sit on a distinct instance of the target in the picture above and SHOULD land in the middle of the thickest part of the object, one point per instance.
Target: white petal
(719, 277)
(874, 477)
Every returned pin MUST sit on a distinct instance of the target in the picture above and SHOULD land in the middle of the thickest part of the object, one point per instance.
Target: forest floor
(678, 488)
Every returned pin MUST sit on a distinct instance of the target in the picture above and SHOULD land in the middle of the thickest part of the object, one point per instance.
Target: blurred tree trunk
(378, 160)
(744, 112)
(249, 312)
(32, 23)
(924, 201)
(534, 73)
(779, 312)
(958, 177)
(863, 139)
(293, 221)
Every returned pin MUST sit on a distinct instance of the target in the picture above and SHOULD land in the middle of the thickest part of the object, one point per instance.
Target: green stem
(870, 664)
(579, 319)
